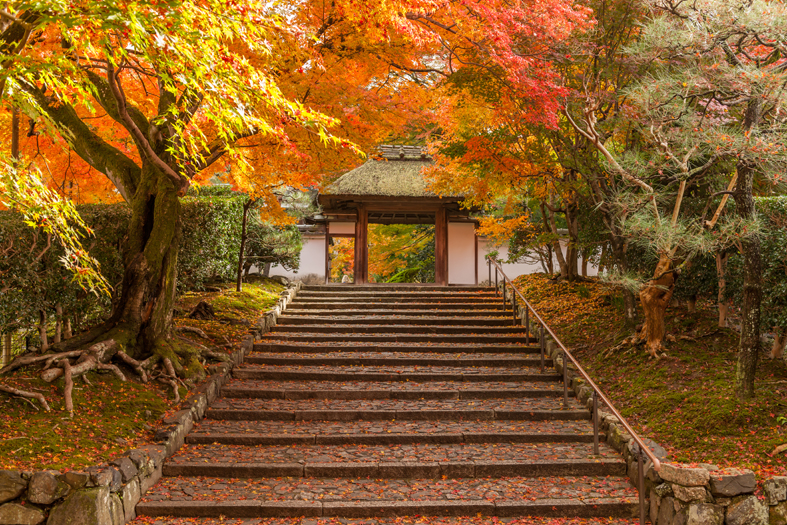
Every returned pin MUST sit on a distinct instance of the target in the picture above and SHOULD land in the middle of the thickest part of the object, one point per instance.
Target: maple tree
(491, 147)
(156, 95)
(177, 86)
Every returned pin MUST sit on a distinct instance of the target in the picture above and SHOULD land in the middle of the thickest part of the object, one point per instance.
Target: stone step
(237, 388)
(395, 297)
(385, 312)
(395, 359)
(297, 306)
(395, 338)
(378, 520)
(394, 288)
(397, 461)
(570, 496)
(346, 328)
(388, 432)
(360, 373)
(289, 319)
(385, 348)
(532, 409)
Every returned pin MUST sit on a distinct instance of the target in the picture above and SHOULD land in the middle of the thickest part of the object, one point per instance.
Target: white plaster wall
(516, 269)
(312, 259)
(345, 228)
(461, 253)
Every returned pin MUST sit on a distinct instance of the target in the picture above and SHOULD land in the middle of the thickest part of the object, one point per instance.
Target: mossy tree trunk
(143, 315)
(749, 345)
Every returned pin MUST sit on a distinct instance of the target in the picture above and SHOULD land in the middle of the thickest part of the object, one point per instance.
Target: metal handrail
(597, 392)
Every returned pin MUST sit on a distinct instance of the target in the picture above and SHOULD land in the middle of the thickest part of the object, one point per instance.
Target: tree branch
(121, 170)
(181, 183)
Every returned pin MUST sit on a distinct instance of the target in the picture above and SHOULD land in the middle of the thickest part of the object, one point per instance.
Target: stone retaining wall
(107, 494)
(681, 494)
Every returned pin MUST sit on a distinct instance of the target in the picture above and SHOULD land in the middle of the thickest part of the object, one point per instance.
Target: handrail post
(496, 281)
(641, 486)
(504, 295)
(595, 423)
(542, 344)
(513, 302)
(489, 267)
(565, 380)
(527, 324)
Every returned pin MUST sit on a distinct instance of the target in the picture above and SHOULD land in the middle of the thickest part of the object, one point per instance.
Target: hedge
(32, 278)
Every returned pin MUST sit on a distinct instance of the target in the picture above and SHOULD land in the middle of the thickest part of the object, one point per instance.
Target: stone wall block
(15, 514)
(691, 494)
(681, 515)
(75, 480)
(130, 496)
(778, 514)
(732, 482)
(689, 477)
(666, 511)
(145, 483)
(776, 490)
(83, 507)
(653, 507)
(747, 510)
(45, 488)
(116, 514)
(139, 456)
(705, 514)
(126, 468)
(12, 485)
(199, 404)
(156, 453)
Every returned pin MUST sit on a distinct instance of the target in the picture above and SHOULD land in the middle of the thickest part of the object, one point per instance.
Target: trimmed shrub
(32, 279)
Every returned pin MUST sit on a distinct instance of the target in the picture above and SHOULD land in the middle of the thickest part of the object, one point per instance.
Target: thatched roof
(394, 171)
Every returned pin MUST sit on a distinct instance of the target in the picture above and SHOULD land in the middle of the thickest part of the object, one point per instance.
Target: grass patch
(110, 417)
(235, 311)
(684, 402)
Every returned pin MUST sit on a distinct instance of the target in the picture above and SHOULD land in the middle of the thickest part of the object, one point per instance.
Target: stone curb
(677, 493)
(108, 494)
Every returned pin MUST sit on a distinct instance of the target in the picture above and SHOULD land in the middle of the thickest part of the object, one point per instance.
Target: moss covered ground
(684, 402)
(112, 416)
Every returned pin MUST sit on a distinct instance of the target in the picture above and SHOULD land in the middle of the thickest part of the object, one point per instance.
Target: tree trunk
(572, 252)
(42, 330)
(749, 345)
(721, 274)
(691, 304)
(266, 270)
(67, 333)
(58, 323)
(585, 257)
(8, 342)
(602, 260)
(655, 299)
(549, 219)
(243, 236)
(142, 319)
(779, 342)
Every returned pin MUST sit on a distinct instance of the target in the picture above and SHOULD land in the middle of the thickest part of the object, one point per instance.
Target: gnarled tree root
(27, 395)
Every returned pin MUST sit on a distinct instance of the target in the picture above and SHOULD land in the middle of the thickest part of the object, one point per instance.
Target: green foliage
(210, 242)
(773, 214)
(698, 278)
(279, 245)
(33, 279)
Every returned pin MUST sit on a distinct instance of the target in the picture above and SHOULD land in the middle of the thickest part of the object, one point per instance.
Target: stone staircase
(379, 401)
